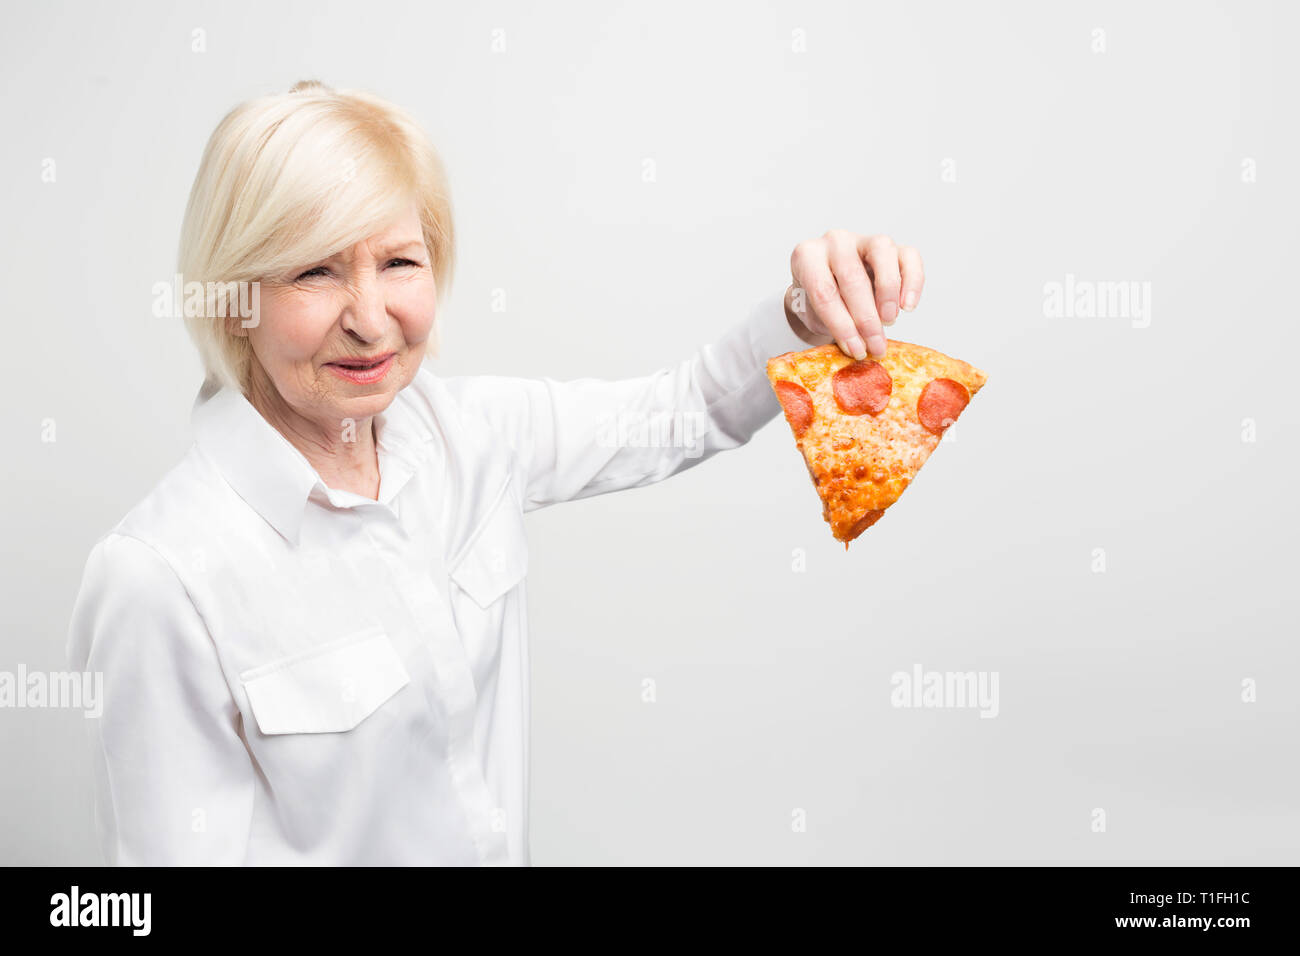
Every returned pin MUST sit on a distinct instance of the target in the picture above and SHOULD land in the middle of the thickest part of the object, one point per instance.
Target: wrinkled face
(338, 339)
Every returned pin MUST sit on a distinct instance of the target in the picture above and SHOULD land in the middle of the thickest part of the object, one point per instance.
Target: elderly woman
(312, 631)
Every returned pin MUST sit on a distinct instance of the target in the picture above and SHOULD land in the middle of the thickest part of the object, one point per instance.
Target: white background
(1119, 690)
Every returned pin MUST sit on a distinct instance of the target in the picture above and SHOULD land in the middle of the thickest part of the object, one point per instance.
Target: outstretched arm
(590, 436)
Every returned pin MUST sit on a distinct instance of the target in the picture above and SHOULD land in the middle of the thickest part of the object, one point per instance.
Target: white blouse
(295, 674)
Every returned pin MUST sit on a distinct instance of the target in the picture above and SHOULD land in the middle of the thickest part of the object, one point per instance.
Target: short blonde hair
(294, 178)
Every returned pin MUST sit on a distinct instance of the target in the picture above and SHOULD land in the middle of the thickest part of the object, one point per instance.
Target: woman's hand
(847, 286)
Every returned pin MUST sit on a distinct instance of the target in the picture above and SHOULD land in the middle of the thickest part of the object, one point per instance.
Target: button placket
(455, 692)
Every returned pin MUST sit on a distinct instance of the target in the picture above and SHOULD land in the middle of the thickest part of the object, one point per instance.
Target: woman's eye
(322, 270)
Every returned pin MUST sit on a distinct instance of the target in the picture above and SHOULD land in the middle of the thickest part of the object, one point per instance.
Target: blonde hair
(291, 179)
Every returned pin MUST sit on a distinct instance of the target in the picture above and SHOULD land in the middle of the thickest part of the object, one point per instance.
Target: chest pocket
(327, 689)
(495, 558)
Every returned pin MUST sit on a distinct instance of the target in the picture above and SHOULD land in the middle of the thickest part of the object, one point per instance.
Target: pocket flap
(496, 558)
(327, 689)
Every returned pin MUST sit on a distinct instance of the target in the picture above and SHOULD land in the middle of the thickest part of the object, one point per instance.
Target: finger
(855, 289)
(796, 310)
(882, 256)
(809, 265)
(909, 262)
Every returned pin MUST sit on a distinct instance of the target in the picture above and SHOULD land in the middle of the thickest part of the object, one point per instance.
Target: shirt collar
(273, 477)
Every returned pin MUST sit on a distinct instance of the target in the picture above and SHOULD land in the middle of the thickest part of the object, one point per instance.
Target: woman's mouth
(363, 371)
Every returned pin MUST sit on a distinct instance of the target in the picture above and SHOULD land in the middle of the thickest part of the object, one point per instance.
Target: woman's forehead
(404, 233)
(387, 244)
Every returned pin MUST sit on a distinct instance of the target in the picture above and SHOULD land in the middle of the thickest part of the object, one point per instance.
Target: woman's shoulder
(188, 502)
(501, 403)
(131, 605)
(437, 398)
(496, 419)
(122, 556)
(137, 571)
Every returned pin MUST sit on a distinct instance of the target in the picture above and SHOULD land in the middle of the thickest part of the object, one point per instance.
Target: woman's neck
(344, 455)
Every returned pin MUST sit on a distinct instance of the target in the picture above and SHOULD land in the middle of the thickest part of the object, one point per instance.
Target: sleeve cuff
(770, 332)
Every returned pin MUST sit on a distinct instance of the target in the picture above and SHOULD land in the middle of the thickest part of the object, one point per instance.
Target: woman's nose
(366, 313)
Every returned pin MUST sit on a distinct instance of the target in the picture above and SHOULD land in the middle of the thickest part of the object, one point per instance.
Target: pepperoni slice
(940, 403)
(798, 405)
(863, 523)
(862, 388)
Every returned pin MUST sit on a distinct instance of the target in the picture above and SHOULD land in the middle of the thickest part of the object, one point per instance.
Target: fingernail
(889, 313)
(877, 345)
(909, 301)
(855, 348)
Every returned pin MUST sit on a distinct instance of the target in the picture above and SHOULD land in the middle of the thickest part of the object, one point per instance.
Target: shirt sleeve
(173, 779)
(589, 436)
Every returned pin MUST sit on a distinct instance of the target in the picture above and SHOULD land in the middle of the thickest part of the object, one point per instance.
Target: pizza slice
(866, 428)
